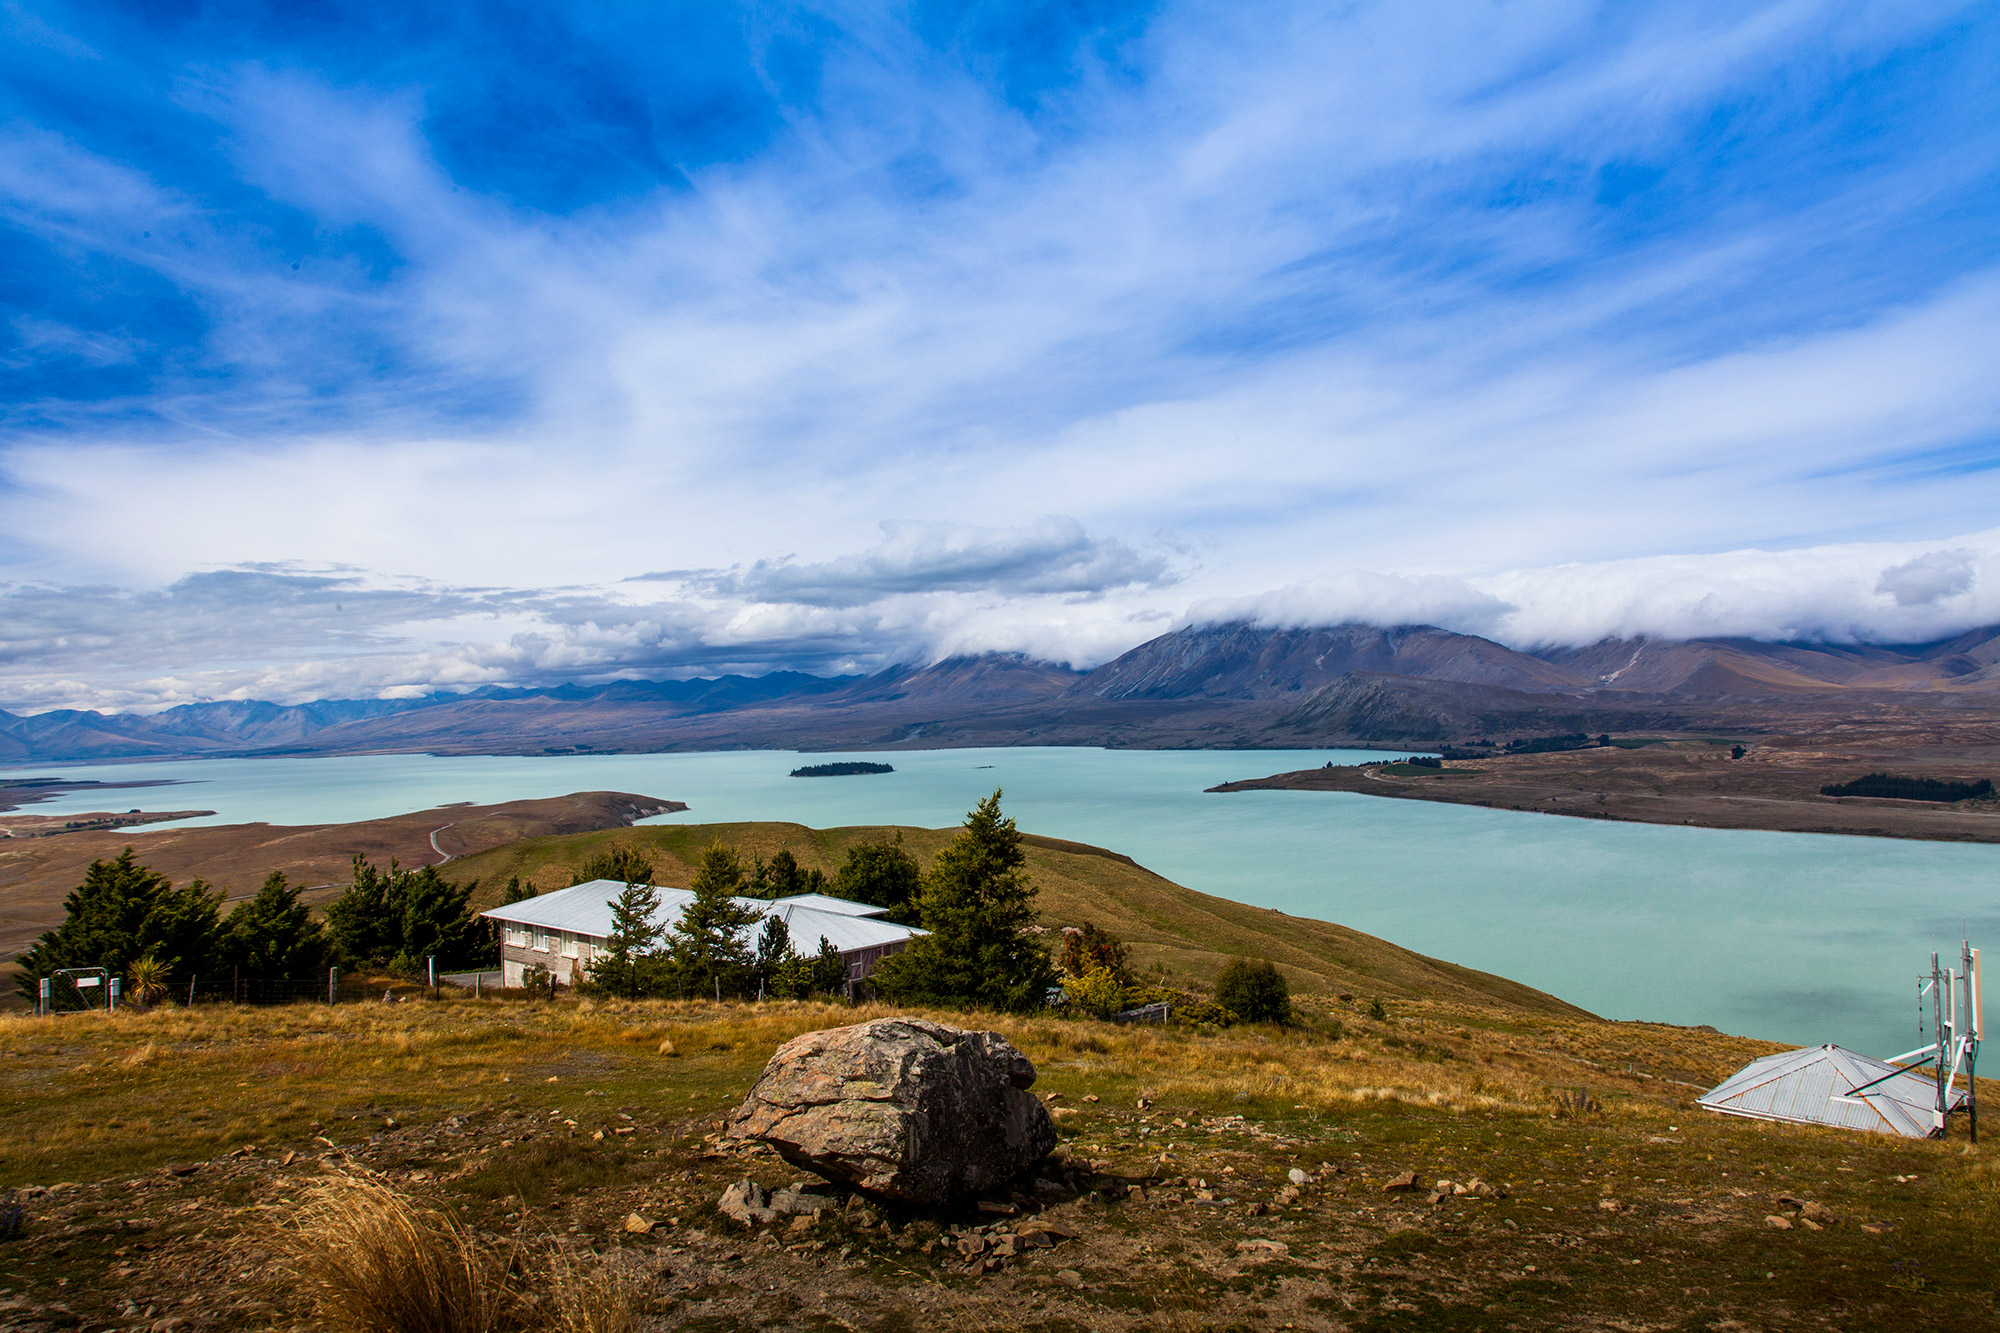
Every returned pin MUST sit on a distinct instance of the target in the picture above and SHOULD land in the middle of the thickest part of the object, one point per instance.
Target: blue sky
(350, 351)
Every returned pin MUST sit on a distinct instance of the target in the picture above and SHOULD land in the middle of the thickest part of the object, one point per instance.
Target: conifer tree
(628, 965)
(709, 947)
(774, 948)
(626, 865)
(124, 911)
(273, 936)
(397, 918)
(881, 873)
(977, 903)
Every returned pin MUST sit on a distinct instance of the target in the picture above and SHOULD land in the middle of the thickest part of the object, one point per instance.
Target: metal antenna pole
(1970, 957)
(1937, 1001)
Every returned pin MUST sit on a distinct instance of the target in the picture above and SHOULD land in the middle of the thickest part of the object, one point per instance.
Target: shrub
(1087, 947)
(1096, 994)
(1203, 1011)
(1254, 990)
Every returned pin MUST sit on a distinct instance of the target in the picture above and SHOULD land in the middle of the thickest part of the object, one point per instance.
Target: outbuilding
(1830, 1085)
(563, 931)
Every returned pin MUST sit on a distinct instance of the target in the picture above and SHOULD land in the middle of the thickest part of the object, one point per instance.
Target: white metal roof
(826, 902)
(586, 910)
(1817, 1086)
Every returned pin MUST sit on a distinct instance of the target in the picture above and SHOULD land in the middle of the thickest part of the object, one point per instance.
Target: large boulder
(902, 1108)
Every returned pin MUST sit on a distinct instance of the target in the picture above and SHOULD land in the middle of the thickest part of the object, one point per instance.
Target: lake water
(1796, 937)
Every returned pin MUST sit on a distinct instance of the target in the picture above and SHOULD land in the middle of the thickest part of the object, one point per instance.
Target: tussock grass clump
(375, 1262)
(589, 1295)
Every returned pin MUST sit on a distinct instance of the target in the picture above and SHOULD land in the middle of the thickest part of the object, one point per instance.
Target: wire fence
(62, 993)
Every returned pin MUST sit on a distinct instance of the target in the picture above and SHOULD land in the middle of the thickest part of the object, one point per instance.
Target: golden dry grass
(592, 1294)
(373, 1261)
(1447, 1090)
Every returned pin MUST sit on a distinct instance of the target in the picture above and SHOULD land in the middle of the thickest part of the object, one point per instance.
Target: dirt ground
(1775, 785)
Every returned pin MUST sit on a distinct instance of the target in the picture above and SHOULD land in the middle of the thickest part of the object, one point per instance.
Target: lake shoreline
(1771, 788)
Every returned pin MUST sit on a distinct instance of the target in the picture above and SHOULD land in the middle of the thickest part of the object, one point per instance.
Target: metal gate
(71, 990)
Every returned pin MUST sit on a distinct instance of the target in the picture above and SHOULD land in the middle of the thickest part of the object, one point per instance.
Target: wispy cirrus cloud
(1262, 297)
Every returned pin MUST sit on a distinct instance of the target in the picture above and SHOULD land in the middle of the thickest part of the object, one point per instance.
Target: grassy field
(167, 1152)
(163, 1159)
(1189, 934)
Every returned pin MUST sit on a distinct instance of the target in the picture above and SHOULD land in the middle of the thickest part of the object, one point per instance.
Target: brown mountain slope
(1244, 661)
(1709, 668)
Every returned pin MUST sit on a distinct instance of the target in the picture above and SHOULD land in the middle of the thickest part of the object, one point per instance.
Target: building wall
(568, 955)
(563, 953)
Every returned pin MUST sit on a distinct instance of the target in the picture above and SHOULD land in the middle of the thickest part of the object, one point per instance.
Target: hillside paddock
(162, 1157)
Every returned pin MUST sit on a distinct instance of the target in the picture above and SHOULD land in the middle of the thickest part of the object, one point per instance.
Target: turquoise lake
(1796, 937)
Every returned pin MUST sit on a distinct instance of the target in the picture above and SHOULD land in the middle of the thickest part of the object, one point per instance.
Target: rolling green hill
(1188, 933)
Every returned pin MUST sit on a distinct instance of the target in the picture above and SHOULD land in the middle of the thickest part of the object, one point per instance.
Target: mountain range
(1227, 685)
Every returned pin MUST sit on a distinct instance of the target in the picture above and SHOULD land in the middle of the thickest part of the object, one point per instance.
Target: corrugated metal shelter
(1829, 1085)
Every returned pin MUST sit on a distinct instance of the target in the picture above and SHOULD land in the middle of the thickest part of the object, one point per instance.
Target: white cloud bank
(1875, 592)
(1050, 591)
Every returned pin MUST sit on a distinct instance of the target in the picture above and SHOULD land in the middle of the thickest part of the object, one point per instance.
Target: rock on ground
(903, 1108)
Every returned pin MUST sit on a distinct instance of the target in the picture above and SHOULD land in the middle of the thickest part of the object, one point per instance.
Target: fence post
(43, 1007)
(111, 996)
(191, 977)
(431, 963)
(333, 985)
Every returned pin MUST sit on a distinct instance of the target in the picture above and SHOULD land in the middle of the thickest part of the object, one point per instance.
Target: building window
(541, 939)
(568, 945)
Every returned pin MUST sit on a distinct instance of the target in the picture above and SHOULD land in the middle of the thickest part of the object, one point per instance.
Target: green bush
(1254, 990)
(1203, 1011)
(1096, 994)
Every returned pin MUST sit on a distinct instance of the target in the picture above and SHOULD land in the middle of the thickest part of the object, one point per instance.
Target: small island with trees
(847, 768)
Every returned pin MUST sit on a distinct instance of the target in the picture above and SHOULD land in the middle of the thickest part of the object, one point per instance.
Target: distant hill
(1230, 685)
(1708, 668)
(1243, 661)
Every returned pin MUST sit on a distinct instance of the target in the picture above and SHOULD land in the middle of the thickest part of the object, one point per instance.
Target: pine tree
(774, 946)
(359, 924)
(628, 965)
(273, 936)
(829, 973)
(707, 947)
(883, 874)
(437, 922)
(397, 918)
(626, 865)
(977, 903)
(123, 912)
